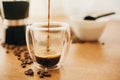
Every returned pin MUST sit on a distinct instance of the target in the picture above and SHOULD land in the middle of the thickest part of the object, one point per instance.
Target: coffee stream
(52, 57)
(48, 47)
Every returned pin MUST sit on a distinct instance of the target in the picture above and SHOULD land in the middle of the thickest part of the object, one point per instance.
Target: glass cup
(48, 47)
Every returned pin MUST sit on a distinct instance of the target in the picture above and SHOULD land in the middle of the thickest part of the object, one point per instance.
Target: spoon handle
(105, 15)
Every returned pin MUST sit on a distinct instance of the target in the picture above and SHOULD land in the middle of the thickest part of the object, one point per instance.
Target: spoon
(94, 18)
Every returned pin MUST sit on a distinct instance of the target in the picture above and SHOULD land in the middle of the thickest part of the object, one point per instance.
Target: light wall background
(68, 7)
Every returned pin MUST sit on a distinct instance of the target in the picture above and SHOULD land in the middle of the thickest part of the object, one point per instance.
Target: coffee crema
(48, 61)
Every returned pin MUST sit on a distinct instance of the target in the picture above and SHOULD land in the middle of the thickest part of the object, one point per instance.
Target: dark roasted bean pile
(43, 74)
(23, 56)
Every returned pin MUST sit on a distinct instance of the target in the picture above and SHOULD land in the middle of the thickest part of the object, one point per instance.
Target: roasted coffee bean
(30, 58)
(81, 41)
(26, 56)
(7, 47)
(44, 73)
(29, 72)
(23, 65)
(38, 72)
(3, 44)
(26, 52)
(17, 53)
(103, 43)
(21, 50)
(25, 61)
(19, 58)
(7, 51)
(12, 47)
(24, 49)
(18, 49)
(29, 62)
(41, 76)
(26, 72)
(47, 75)
(22, 60)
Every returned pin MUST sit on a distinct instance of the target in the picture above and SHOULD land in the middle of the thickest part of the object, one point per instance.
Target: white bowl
(88, 30)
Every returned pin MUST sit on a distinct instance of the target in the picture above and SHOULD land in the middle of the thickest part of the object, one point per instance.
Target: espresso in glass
(37, 43)
(49, 60)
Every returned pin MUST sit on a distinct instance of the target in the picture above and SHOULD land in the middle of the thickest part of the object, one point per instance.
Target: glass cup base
(58, 66)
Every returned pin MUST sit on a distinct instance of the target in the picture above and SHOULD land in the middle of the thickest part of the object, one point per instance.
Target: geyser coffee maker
(15, 14)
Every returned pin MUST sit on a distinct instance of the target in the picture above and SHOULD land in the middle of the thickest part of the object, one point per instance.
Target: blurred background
(73, 7)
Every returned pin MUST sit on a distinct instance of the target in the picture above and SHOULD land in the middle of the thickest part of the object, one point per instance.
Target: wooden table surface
(87, 61)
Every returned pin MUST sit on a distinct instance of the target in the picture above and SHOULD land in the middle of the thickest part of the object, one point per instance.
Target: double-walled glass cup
(48, 47)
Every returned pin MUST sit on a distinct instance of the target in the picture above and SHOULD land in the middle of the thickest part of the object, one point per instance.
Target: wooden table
(88, 61)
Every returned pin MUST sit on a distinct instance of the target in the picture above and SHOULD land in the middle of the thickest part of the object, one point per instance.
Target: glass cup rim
(38, 25)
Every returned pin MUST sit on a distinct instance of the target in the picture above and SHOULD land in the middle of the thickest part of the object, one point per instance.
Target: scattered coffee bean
(47, 75)
(81, 41)
(26, 56)
(19, 58)
(38, 72)
(18, 49)
(23, 65)
(22, 60)
(29, 62)
(7, 47)
(103, 43)
(3, 45)
(25, 49)
(26, 52)
(12, 47)
(21, 51)
(26, 73)
(17, 53)
(29, 72)
(25, 59)
(43, 73)
(7, 51)
(41, 76)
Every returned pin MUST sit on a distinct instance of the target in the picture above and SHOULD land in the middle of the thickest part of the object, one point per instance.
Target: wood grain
(87, 61)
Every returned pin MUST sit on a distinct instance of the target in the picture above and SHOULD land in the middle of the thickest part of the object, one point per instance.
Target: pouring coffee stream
(48, 26)
(94, 18)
